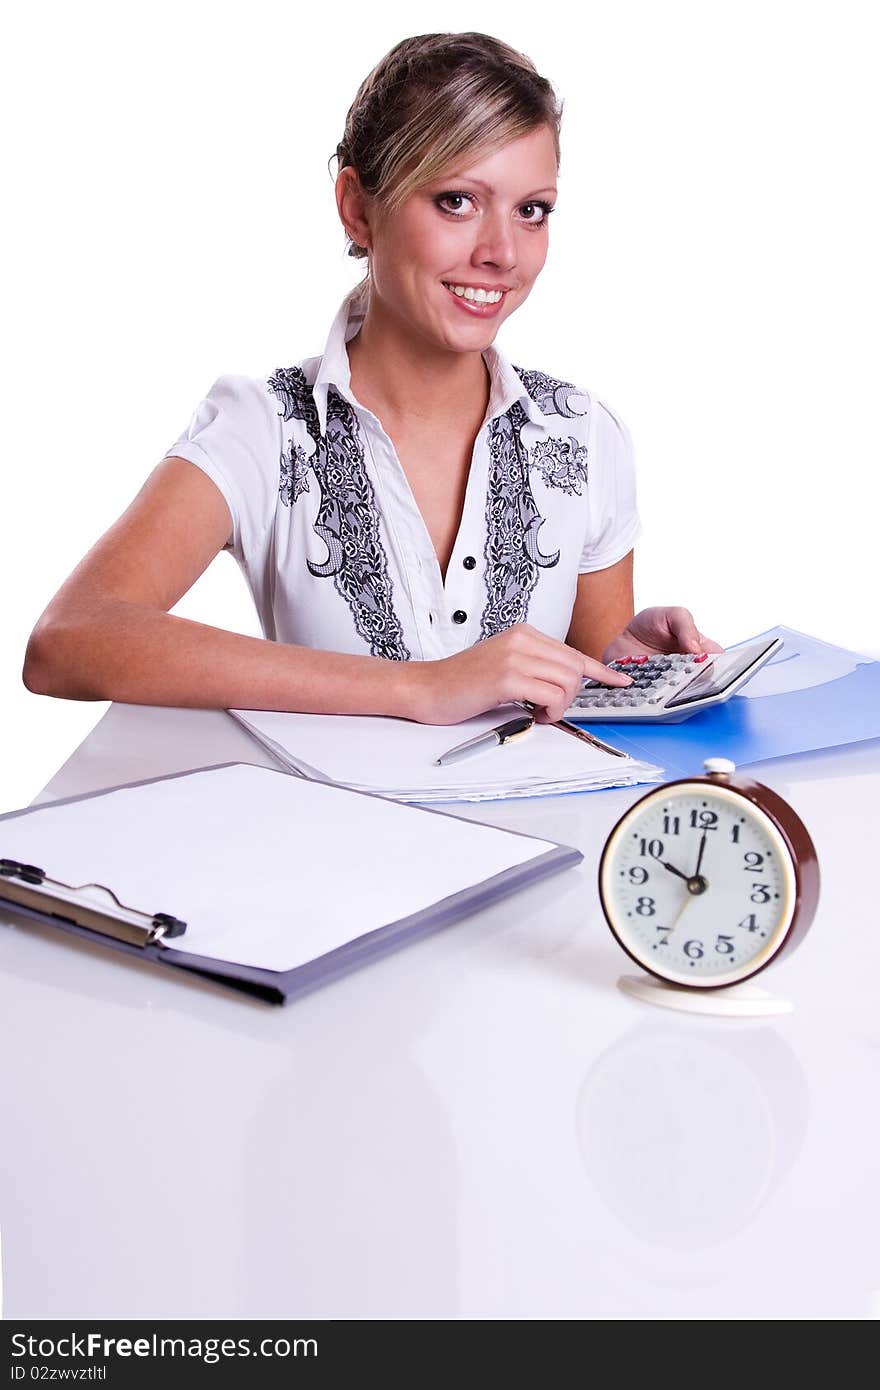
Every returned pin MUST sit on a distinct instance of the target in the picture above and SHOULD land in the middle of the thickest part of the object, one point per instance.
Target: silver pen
(502, 733)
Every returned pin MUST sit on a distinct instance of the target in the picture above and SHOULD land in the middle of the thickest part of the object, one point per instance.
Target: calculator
(669, 688)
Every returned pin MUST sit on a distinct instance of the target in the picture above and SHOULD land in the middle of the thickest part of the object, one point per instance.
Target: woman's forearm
(114, 650)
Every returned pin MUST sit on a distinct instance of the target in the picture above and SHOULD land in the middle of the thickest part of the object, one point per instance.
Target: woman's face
(482, 225)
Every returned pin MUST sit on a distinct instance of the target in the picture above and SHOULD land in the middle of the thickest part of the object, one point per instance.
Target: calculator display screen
(725, 669)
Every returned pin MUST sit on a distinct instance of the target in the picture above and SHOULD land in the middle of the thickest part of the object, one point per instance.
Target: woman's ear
(354, 207)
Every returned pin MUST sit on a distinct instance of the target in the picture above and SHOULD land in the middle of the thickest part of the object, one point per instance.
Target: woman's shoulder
(261, 397)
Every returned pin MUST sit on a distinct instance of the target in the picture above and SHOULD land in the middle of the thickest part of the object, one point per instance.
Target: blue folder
(810, 695)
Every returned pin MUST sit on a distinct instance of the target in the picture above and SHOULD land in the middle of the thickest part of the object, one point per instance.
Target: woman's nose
(495, 243)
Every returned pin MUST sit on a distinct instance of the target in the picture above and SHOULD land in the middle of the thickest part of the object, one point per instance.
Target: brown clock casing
(805, 862)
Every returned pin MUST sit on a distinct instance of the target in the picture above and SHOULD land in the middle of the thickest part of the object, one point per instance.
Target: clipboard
(87, 865)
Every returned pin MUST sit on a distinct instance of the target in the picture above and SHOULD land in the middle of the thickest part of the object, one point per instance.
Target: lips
(474, 307)
(466, 285)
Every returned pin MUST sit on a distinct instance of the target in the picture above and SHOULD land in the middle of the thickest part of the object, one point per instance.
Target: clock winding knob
(719, 765)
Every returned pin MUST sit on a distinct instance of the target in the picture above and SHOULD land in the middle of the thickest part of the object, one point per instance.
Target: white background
(712, 275)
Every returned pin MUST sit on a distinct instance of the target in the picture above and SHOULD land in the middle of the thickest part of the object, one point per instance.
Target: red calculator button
(703, 657)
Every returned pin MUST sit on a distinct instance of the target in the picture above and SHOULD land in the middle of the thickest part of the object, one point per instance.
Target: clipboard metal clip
(30, 887)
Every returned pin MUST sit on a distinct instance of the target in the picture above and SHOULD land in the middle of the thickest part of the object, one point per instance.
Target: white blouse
(330, 539)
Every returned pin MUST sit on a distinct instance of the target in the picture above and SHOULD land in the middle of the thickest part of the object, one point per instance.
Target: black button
(459, 616)
(469, 562)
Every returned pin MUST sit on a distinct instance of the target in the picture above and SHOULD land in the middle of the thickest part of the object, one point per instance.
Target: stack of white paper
(397, 758)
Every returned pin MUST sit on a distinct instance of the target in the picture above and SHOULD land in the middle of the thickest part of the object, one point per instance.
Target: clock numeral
(760, 893)
(645, 907)
(750, 923)
(663, 940)
(724, 945)
(753, 859)
(693, 949)
(671, 825)
(704, 820)
(652, 847)
(638, 874)
(734, 834)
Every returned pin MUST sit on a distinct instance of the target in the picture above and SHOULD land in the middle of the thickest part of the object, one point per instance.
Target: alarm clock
(704, 882)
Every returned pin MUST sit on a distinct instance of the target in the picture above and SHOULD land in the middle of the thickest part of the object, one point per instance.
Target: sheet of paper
(266, 869)
(398, 757)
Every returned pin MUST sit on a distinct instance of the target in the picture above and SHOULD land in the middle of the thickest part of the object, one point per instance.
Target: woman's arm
(604, 626)
(602, 608)
(107, 635)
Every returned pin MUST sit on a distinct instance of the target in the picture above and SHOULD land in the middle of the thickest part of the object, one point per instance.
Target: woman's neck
(401, 377)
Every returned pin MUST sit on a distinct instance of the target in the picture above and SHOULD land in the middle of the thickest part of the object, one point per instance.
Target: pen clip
(515, 733)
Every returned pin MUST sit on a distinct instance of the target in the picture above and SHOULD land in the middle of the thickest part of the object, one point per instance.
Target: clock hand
(673, 870)
(697, 883)
(695, 886)
(688, 897)
(696, 873)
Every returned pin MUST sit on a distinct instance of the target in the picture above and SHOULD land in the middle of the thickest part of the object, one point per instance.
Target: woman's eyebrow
(487, 188)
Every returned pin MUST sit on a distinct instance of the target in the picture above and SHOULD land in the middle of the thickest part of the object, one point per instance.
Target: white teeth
(477, 296)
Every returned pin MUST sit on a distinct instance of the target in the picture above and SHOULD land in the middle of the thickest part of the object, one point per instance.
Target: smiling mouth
(486, 298)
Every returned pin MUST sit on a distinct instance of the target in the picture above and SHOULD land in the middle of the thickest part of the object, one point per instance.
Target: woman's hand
(520, 664)
(659, 630)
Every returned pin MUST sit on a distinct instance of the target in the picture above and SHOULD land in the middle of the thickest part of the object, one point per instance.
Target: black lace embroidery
(562, 460)
(347, 519)
(562, 463)
(513, 556)
(550, 394)
(294, 474)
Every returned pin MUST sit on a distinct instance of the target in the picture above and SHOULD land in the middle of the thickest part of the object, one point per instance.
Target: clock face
(698, 885)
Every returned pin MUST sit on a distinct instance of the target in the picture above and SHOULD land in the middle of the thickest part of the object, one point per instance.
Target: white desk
(479, 1126)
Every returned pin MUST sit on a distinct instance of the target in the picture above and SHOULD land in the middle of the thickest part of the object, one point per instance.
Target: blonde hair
(432, 99)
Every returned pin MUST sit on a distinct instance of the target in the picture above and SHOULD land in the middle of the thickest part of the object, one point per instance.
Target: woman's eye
(531, 208)
(460, 198)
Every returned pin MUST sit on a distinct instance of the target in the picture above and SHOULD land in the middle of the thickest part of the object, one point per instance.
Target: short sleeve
(235, 437)
(613, 525)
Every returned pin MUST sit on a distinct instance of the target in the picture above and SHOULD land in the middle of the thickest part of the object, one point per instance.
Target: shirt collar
(505, 388)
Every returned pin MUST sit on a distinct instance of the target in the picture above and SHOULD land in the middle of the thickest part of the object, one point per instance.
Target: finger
(565, 666)
(684, 631)
(548, 700)
(595, 671)
(571, 676)
(553, 685)
(709, 645)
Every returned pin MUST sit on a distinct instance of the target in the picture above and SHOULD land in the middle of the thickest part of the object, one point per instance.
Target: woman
(428, 531)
